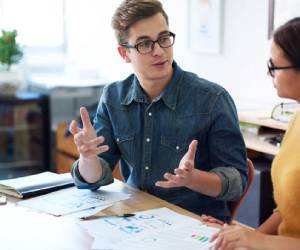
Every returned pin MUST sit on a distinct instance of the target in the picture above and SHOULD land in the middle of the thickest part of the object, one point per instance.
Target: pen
(127, 215)
(95, 216)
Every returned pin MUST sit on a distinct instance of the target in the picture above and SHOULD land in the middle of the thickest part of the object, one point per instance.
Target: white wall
(240, 67)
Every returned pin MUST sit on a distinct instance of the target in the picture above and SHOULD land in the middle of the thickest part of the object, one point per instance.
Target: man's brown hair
(131, 11)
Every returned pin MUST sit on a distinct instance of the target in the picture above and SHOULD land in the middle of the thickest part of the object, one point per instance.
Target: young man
(162, 122)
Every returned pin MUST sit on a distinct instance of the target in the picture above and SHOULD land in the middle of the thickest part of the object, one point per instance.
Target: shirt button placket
(148, 126)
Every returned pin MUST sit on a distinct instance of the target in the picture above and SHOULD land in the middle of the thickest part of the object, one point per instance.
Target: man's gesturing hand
(184, 172)
(86, 138)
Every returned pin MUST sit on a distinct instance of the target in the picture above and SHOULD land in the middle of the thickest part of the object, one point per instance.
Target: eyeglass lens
(164, 41)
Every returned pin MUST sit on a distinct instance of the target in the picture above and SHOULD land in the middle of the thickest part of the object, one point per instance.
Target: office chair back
(234, 205)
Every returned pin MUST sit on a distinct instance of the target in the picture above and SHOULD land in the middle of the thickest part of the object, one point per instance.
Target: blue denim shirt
(150, 138)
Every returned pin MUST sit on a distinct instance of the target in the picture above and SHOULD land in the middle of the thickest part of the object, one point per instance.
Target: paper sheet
(87, 212)
(188, 238)
(71, 200)
(153, 229)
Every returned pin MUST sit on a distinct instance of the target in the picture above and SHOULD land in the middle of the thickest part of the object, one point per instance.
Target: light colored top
(286, 180)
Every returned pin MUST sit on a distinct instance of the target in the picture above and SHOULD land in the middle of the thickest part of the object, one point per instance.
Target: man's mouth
(159, 63)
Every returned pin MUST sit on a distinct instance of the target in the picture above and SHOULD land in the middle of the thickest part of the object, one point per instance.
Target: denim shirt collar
(169, 95)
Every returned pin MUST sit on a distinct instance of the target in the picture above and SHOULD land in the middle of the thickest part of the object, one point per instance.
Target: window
(39, 23)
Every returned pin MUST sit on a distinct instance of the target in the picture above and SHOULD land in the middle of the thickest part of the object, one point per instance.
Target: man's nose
(156, 49)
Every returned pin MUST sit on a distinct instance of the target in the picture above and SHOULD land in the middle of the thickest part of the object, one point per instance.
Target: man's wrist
(90, 168)
(89, 159)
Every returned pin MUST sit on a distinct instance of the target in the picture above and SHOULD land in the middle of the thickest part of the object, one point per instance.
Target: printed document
(72, 200)
(153, 229)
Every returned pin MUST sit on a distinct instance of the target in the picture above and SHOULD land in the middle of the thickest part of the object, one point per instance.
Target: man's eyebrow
(143, 38)
(148, 37)
(164, 33)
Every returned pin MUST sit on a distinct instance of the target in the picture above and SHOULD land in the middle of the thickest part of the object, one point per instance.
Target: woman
(282, 229)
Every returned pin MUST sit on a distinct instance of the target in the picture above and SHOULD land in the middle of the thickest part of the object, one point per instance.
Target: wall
(240, 67)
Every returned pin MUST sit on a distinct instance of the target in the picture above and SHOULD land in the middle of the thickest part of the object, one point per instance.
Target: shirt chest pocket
(125, 144)
(172, 150)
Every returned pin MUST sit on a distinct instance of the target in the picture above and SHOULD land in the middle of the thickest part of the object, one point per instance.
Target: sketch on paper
(205, 21)
(159, 228)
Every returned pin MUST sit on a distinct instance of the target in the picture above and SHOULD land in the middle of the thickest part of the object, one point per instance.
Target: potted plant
(10, 53)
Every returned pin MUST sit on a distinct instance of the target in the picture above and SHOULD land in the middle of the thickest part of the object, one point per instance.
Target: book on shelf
(31, 185)
(21, 143)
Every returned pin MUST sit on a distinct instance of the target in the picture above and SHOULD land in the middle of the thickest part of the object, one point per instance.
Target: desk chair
(234, 205)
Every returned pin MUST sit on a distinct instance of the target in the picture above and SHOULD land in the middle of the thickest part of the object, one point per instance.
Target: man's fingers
(73, 127)
(101, 149)
(92, 144)
(165, 184)
(210, 219)
(180, 172)
(79, 138)
(93, 151)
(173, 178)
(95, 142)
(88, 145)
(85, 118)
(188, 165)
(192, 150)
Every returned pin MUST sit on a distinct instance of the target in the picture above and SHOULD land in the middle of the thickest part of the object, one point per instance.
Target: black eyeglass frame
(136, 46)
(272, 68)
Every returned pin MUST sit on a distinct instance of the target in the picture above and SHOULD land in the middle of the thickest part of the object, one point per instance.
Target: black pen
(126, 215)
(95, 216)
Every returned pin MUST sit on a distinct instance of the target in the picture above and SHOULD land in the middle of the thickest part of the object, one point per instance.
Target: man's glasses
(272, 68)
(146, 46)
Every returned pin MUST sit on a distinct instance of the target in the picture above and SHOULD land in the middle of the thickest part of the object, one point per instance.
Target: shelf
(24, 132)
(19, 164)
(261, 119)
(261, 127)
(257, 143)
(24, 127)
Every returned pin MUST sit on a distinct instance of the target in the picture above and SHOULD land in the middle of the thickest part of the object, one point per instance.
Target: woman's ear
(124, 54)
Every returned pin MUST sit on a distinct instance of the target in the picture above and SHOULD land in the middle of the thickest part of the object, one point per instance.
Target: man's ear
(124, 54)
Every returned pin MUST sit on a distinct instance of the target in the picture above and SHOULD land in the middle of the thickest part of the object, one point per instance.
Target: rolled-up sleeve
(107, 177)
(228, 155)
(231, 181)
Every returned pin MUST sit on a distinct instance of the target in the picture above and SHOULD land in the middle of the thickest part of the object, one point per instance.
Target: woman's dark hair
(287, 37)
(131, 11)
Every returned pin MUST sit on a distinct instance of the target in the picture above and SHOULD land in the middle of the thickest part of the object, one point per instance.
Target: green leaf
(10, 51)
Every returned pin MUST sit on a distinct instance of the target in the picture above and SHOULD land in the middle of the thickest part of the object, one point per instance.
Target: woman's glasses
(272, 68)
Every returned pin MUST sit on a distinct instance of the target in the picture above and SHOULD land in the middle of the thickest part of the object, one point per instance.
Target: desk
(265, 126)
(32, 230)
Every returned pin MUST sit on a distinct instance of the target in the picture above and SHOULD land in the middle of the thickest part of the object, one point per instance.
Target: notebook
(31, 185)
